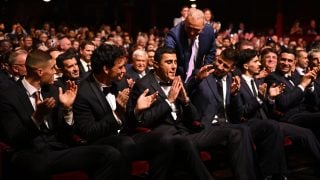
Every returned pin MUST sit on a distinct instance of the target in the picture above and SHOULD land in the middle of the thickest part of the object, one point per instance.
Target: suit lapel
(24, 100)
(156, 87)
(212, 84)
(246, 87)
(97, 92)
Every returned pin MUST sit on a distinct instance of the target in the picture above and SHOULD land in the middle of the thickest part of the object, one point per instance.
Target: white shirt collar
(30, 89)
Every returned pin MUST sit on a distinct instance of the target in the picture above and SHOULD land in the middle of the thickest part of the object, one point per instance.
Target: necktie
(89, 66)
(220, 87)
(221, 110)
(43, 126)
(262, 113)
(192, 59)
(253, 88)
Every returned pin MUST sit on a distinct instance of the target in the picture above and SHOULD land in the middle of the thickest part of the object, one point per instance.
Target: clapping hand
(67, 98)
(235, 85)
(144, 101)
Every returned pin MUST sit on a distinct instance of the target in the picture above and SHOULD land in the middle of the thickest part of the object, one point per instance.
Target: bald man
(194, 43)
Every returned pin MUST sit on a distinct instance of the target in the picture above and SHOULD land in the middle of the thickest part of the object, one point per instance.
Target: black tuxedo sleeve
(88, 123)
(152, 116)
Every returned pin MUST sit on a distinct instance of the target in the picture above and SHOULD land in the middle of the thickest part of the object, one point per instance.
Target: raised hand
(144, 101)
(67, 98)
(235, 85)
(43, 108)
(122, 97)
(183, 96)
(262, 89)
(205, 71)
(130, 82)
(175, 89)
(275, 90)
(309, 77)
(263, 73)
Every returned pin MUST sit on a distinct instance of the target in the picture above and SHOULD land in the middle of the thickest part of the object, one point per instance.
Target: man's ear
(105, 70)
(245, 66)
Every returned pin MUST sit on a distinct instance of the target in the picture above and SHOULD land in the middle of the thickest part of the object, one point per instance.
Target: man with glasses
(17, 68)
(194, 43)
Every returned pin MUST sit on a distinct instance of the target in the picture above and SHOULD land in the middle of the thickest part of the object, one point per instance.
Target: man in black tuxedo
(99, 111)
(257, 102)
(220, 106)
(36, 120)
(295, 104)
(173, 113)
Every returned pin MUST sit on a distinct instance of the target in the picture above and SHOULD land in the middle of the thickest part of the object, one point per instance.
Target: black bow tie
(109, 89)
(165, 83)
(289, 78)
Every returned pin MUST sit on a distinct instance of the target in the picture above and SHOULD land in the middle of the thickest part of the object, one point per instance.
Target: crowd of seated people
(195, 88)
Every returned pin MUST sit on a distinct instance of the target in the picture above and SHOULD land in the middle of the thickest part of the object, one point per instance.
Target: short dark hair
(36, 59)
(163, 50)
(245, 56)
(105, 55)
(288, 51)
(84, 43)
(229, 54)
(69, 54)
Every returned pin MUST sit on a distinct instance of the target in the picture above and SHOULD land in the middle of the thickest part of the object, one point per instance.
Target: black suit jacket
(251, 107)
(206, 98)
(158, 117)
(19, 129)
(93, 115)
(293, 100)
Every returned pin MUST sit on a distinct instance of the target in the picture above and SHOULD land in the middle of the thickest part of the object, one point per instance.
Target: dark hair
(163, 50)
(105, 55)
(289, 51)
(84, 43)
(69, 54)
(245, 56)
(229, 54)
(36, 59)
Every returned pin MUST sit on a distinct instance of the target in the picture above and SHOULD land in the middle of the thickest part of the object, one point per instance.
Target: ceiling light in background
(46, 0)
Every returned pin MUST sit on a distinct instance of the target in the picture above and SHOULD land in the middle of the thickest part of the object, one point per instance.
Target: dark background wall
(138, 15)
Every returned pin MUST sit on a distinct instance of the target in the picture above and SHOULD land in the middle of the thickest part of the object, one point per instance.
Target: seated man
(173, 113)
(99, 111)
(68, 66)
(36, 120)
(217, 99)
(258, 103)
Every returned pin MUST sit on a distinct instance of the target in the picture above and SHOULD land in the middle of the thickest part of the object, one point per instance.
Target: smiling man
(194, 42)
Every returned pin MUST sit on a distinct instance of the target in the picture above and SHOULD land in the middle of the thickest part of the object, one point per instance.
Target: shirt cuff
(301, 87)
(68, 117)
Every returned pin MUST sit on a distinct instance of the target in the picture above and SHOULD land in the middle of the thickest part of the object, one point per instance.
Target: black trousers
(303, 137)
(239, 146)
(158, 148)
(268, 139)
(100, 162)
